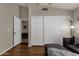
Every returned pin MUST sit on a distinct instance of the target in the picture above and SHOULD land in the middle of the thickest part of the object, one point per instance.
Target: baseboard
(17, 44)
(6, 50)
(29, 45)
(38, 45)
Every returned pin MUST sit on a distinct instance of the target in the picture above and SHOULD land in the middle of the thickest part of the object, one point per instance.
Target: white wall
(7, 11)
(23, 12)
(37, 11)
(24, 16)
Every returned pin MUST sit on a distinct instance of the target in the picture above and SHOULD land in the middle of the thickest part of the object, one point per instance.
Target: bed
(71, 45)
(57, 50)
(47, 46)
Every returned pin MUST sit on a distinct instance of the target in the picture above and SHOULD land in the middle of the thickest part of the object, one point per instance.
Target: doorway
(20, 31)
(24, 31)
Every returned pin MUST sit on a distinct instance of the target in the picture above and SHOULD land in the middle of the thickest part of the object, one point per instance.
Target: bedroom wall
(23, 12)
(7, 11)
(24, 16)
(37, 11)
(76, 24)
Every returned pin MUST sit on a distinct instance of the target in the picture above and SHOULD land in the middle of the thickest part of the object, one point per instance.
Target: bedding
(53, 46)
(73, 48)
(77, 45)
(60, 52)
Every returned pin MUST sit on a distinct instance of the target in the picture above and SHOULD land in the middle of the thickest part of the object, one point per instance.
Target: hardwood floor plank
(23, 50)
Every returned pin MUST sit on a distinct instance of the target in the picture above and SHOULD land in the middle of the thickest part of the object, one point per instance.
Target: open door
(17, 30)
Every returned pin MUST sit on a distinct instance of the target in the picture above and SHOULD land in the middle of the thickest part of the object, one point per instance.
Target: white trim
(6, 50)
(29, 45)
(38, 45)
(17, 44)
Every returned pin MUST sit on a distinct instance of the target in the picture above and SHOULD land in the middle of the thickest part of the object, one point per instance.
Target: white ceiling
(67, 6)
(24, 4)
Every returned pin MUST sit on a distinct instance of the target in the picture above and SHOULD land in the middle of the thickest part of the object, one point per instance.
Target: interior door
(55, 28)
(17, 30)
(37, 30)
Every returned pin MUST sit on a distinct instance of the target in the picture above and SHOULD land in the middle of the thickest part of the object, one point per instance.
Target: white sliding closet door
(37, 30)
(55, 28)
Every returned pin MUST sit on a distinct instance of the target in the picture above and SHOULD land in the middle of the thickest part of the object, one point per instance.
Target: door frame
(13, 31)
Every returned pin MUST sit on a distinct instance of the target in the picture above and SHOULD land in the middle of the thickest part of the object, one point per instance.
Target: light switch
(8, 29)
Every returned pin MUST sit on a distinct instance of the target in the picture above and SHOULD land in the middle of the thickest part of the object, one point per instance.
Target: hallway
(23, 50)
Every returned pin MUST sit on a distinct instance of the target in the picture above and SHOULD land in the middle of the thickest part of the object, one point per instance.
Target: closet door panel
(37, 30)
(55, 28)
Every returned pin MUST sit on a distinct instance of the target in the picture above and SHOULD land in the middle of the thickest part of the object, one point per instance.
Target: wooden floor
(23, 50)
